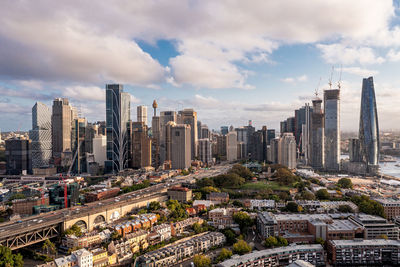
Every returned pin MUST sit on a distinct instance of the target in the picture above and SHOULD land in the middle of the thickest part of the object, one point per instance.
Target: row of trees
(8, 259)
(273, 241)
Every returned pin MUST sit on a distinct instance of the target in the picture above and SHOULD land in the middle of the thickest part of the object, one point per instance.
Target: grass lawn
(264, 185)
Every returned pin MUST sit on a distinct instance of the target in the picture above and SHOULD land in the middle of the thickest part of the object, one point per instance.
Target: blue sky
(232, 61)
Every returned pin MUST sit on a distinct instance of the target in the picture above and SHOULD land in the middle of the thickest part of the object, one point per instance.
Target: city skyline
(256, 70)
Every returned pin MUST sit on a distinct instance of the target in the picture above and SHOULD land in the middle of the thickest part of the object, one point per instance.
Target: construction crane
(340, 78)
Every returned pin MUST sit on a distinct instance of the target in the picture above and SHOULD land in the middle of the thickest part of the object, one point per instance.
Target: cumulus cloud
(359, 71)
(302, 78)
(342, 54)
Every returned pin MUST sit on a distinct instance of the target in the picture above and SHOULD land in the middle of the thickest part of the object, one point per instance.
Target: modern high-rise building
(270, 135)
(142, 114)
(224, 130)
(287, 150)
(61, 123)
(179, 144)
(117, 118)
(305, 136)
(141, 146)
(40, 135)
(165, 117)
(369, 127)
(100, 149)
(231, 146)
(205, 153)
(189, 117)
(332, 129)
(79, 150)
(18, 156)
(317, 154)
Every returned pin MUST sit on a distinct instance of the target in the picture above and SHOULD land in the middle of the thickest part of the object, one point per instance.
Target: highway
(33, 223)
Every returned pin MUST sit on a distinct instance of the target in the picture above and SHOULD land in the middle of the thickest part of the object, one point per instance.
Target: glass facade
(369, 130)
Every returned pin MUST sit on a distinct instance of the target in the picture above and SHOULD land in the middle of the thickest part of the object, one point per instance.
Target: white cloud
(340, 53)
(359, 71)
(302, 78)
(393, 55)
(93, 93)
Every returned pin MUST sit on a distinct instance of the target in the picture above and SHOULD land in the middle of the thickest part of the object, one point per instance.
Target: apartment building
(375, 226)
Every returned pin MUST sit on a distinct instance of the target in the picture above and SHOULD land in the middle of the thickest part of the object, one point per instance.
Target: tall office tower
(250, 131)
(205, 132)
(242, 137)
(199, 130)
(100, 149)
(18, 156)
(189, 117)
(224, 130)
(317, 154)
(61, 123)
(79, 131)
(369, 127)
(141, 146)
(142, 114)
(264, 143)
(40, 135)
(274, 150)
(290, 125)
(287, 150)
(270, 135)
(117, 118)
(354, 150)
(221, 147)
(256, 152)
(231, 146)
(165, 117)
(305, 135)
(205, 153)
(283, 127)
(332, 129)
(179, 144)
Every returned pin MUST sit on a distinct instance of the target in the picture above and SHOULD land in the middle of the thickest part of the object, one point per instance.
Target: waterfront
(389, 168)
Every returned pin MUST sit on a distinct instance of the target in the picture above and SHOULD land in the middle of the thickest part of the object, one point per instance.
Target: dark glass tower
(369, 130)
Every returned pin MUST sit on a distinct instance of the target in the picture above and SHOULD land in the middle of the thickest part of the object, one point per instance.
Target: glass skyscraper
(369, 130)
(117, 117)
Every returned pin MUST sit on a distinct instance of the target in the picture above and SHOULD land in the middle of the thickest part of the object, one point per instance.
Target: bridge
(38, 228)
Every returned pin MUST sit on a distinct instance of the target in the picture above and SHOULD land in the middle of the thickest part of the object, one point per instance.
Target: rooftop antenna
(316, 89)
(340, 77)
(330, 79)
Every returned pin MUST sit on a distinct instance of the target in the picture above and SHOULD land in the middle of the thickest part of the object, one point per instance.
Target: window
(177, 133)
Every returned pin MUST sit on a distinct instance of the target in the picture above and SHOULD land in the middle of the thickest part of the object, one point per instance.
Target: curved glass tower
(369, 130)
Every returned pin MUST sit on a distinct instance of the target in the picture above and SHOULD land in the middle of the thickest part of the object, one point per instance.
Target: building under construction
(56, 195)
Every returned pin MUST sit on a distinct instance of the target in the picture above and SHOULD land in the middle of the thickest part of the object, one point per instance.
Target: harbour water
(389, 168)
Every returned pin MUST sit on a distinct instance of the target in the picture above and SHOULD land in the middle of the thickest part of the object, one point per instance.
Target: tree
(201, 261)
(209, 189)
(230, 236)
(271, 242)
(345, 208)
(241, 247)
(285, 177)
(322, 194)
(320, 241)
(48, 247)
(242, 171)
(115, 235)
(8, 259)
(305, 195)
(243, 219)
(224, 255)
(154, 205)
(196, 195)
(282, 242)
(74, 230)
(292, 207)
(366, 205)
(205, 182)
(345, 183)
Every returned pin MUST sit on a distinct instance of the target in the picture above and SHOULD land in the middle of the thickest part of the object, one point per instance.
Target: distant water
(387, 168)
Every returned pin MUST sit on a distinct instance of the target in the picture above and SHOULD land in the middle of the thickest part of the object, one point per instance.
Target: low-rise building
(85, 241)
(80, 258)
(375, 226)
(218, 197)
(179, 227)
(260, 204)
(373, 252)
(391, 207)
(282, 256)
(181, 250)
(164, 230)
(221, 217)
(101, 194)
(100, 257)
(182, 194)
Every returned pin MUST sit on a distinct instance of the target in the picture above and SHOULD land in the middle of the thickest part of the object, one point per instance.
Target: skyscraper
(317, 153)
(369, 129)
(142, 114)
(41, 135)
(332, 129)
(179, 143)
(231, 146)
(79, 131)
(287, 150)
(205, 154)
(165, 117)
(189, 117)
(61, 122)
(117, 118)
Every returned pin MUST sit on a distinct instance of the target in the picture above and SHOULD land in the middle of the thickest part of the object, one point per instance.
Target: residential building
(177, 252)
(83, 257)
(100, 257)
(165, 117)
(40, 136)
(375, 226)
(374, 252)
(282, 256)
(117, 118)
(231, 146)
(317, 143)
(100, 149)
(221, 217)
(179, 227)
(178, 143)
(218, 197)
(205, 151)
(141, 146)
(391, 207)
(164, 231)
(287, 150)
(189, 117)
(182, 194)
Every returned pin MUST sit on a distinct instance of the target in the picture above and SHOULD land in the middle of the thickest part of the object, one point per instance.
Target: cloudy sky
(230, 60)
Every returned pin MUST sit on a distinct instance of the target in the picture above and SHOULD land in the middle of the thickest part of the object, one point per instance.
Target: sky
(231, 60)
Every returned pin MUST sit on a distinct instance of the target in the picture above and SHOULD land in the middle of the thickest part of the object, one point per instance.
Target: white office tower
(205, 150)
(332, 129)
(231, 146)
(287, 150)
(142, 114)
(100, 149)
(41, 135)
